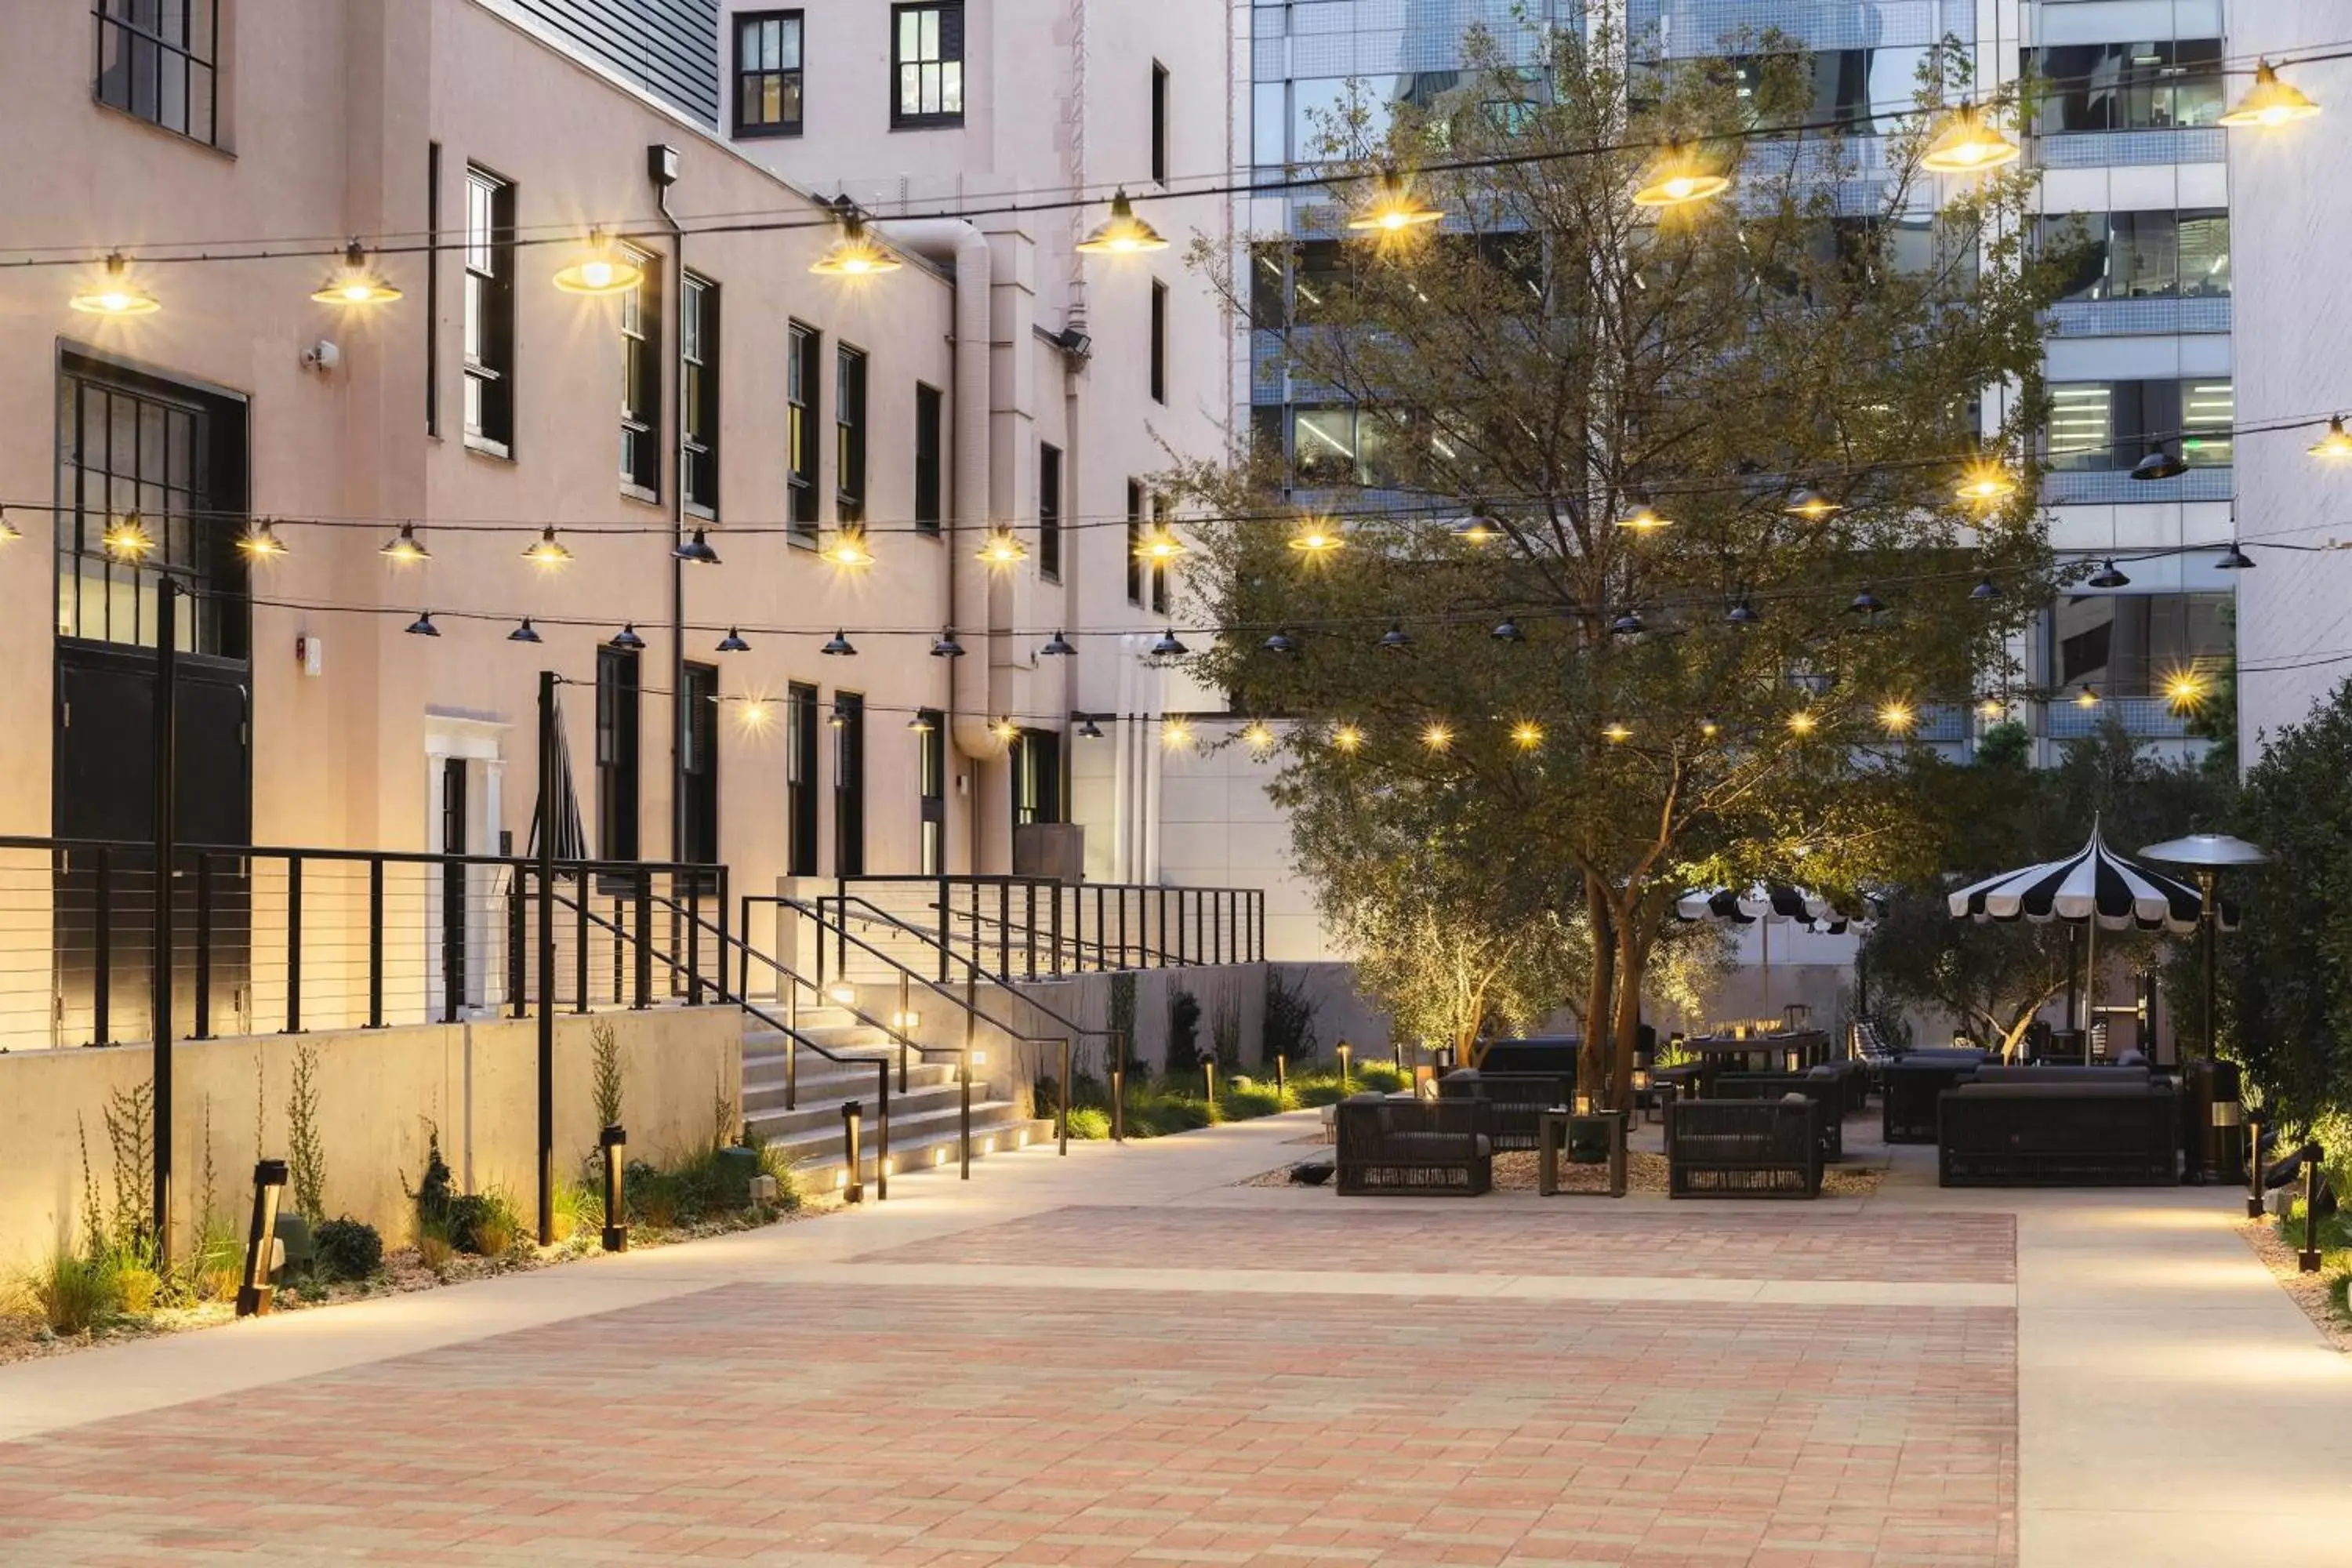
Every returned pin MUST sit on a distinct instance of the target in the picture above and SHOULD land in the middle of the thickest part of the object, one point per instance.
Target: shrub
(652, 1195)
(1247, 1097)
(1183, 1031)
(348, 1248)
(1289, 1018)
(433, 1247)
(306, 1156)
(70, 1293)
(136, 1286)
(1090, 1122)
(435, 1189)
(774, 1162)
(605, 1090)
(485, 1223)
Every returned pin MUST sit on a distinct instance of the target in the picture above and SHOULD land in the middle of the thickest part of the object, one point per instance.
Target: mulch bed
(2309, 1291)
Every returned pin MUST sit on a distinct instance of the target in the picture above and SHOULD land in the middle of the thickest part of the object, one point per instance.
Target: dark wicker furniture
(1825, 1089)
(1518, 1098)
(1551, 1054)
(1743, 1149)
(1910, 1086)
(1439, 1147)
(2060, 1133)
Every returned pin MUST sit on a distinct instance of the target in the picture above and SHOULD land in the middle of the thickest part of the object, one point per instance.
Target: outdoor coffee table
(1552, 1129)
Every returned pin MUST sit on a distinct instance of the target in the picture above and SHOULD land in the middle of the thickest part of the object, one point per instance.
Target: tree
(1792, 389)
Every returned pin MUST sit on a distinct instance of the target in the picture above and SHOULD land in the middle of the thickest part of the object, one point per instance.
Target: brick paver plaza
(1076, 1369)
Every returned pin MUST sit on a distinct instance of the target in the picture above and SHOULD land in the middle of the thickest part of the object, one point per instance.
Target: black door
(453, 887)
(698, 763)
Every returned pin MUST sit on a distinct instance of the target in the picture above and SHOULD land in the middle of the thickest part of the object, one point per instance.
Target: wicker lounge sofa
(1550, 1054)
(1518, 1098)
(1909, 1087)
(1825, 1087)
(1743, 1149)
(2069, 1130)
(1443, 1147)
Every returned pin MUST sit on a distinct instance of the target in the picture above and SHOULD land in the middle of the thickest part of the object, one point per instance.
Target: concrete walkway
(1123, 1356)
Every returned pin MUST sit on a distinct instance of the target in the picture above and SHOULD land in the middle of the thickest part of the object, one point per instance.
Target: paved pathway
(1123, 1357)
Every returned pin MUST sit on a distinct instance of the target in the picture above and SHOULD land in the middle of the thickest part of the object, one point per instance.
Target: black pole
(2307, 1259)
(547, 957)
(2212, 930)
(167, 827)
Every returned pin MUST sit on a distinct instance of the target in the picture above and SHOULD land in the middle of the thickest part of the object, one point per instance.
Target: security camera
(322, 356)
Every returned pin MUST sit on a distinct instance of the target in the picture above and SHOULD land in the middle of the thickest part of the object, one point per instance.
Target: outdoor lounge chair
(1518, 1100)
(1443, 1147)
(2060, 1133)
(1743, 1149)
(1909, 1087)
(1825, 1087)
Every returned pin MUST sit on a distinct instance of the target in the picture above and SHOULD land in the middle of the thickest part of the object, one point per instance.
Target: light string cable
(1054, 199)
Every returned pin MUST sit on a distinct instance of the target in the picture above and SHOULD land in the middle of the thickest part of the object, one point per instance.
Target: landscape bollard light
(852, 1115)
(615, 1142)
(1118, 1104)
(1063, 1131)
(2227, 1116)
(261, 1240)
(2308, 1262)
(1341, 1050)
(1281, 1075)
(2253, 1170)
(1209, 1081)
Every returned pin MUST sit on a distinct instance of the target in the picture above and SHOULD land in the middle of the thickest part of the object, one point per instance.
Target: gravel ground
(2309, 1291)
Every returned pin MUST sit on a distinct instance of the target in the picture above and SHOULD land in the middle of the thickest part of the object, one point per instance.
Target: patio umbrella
(571, 836)
(2093, 888)
(1745, 906)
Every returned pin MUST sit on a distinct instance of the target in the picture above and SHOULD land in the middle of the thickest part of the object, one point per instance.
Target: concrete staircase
(924, 1119)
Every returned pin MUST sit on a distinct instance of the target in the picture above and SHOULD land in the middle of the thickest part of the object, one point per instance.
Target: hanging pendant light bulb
(1812, 505)
(1479, 528)
(1526, 734)
(1317, 537)
(115, 294)
(603, 268)
(1005, 730)
(1121, 234)
(1347, 738)
(546, 551)
(1392, 208)
(1743, 613)
(1677, 179)
(1803, 723)
(9, 531)
(1257, 737)
(127, 538)
(2269, 102)
(1616, 733)
(1629, 625)
(260, 542)
(1059, 647)
(838, 645)
(1968, 145)
(1645, 519)
(1986, 591)
(356, 283)
(525, 632)
(1864, 604)
(2088, 697)
(1396, 639)
(1710, 726)
(1168, 647)
(2234, 560)
(1090, 731)
(2106, 576)
(403, 549)
(1280, 643)
(732, 643)
(945, 646)
(1437, 737)
(856, 253)
(1159, 545)
(920, 723)
(1175, 734)
(1896, 718)
(2161, 463)
(423, 627)
(1002, 547)
(627, 639)
(1509, 631)
(2336, 445)
(848, 548)
(1985, 482)
(698, 549)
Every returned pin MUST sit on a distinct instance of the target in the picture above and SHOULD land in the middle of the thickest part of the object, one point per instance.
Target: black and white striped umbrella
(1745, 906)
(2093, 884)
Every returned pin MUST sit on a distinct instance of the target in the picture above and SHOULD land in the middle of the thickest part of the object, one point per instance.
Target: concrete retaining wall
(376, 1091)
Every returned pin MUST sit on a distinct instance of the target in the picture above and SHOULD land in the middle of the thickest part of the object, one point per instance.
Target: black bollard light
(2308, 1260)
(2253, 1170)
(1342, 1051)
(853, 1115)
(1281, 1075)
(1209, 1079)
(252, 1296)
(615, 1142)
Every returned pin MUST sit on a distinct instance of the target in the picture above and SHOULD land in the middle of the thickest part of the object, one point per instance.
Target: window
(616, 753)
(1134, 542)
(931, 785)
(698, 766)
(1158, 122)
(2099, 426)
(927, 46)
(767, 73)
(803, 374)
(1049, 512)
(641, 380)
(1159, 569)
(698, 416)
(1036, 777)
(1850, 87)
(2143, 255)
(156, 60)
(489, 311)
(929, 406)
(849, 784)
(800, 780)
(1159, 341)
(1341, 445)
(849, 435)
(2159, 86)
(2126, 645)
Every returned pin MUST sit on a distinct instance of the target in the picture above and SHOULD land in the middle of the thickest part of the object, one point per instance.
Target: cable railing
(1039, 928)
(270, 938)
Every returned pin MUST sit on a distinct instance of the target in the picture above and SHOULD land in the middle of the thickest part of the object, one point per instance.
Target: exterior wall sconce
(261, 1244)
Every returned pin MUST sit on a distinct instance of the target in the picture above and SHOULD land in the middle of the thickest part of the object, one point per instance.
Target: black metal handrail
(1209, 925)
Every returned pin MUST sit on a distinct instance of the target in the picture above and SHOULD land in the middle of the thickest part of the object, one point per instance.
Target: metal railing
(1037, 928)
(272, 939)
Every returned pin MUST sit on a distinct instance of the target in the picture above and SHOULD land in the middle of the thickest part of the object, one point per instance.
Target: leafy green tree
(1612, 731)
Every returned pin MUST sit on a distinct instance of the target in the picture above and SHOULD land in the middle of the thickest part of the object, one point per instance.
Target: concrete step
(821, 1081)
(766, 1108)
(919, 1140)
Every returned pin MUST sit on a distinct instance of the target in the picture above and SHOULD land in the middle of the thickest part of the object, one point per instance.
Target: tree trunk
(1594, 1054)
(1632, 958)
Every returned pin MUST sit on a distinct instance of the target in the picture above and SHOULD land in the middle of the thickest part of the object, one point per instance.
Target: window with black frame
(2129, 645)
(159, 60)
(2142, 255)
(1049, 512)
(641, 380)
(616, 753)
(1134, 542)
(2102, 426)
(932, 786)
(489, 311)
(2165, 84)
(849, 435)
(927, 54)
(697, 415)
(767, 73)
(849, 784)
(800, 780)
(803, 376)
(930, 442)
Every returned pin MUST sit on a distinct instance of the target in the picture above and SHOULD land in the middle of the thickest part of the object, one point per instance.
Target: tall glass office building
(2127, 137)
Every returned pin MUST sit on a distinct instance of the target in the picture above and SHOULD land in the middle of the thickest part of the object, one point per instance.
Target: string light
(1257, 737)
(1985, 482)
(1347, 738)
(1159, 544)
(8, 530)
(1643, 518)
(848, 548)
(423, 627)
(1896, 718)
(1677, 179)
(1280, 643)
(1479, 528)
(260, 542)
(1708, 727)
(1392, 209)
(1121, 234)
(2106, 576)
(1507, 630)
(732, 643)
(2184, 689)
(1616, 732)
(2088, 697)
(603, 268)
(2334, 445)
(1315, 537)
(1005, 730)
(357, 283)
(127, 538)
(698, 549)
(945, 646)
(1803, 723)
(1396, 639)
(1812, 505)
(1986, 591)
(1437, 737)
(2161, 463)
(1090, 731)
(546, 551)
(1968, 145)
(115, 294)
(838, 645)
(2234, 560)
(1990, 709)
(1744, 613)
(855, 253)
(1864, 604)
(1175, 733)
(626, 638)
(920, 724)
(1526, 734)
(1629, 625)
(754, 712)
(525, 632)
(1057, 647)
(1168, 646)
(2270, 103)
(1004, 548)
(404, 549)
